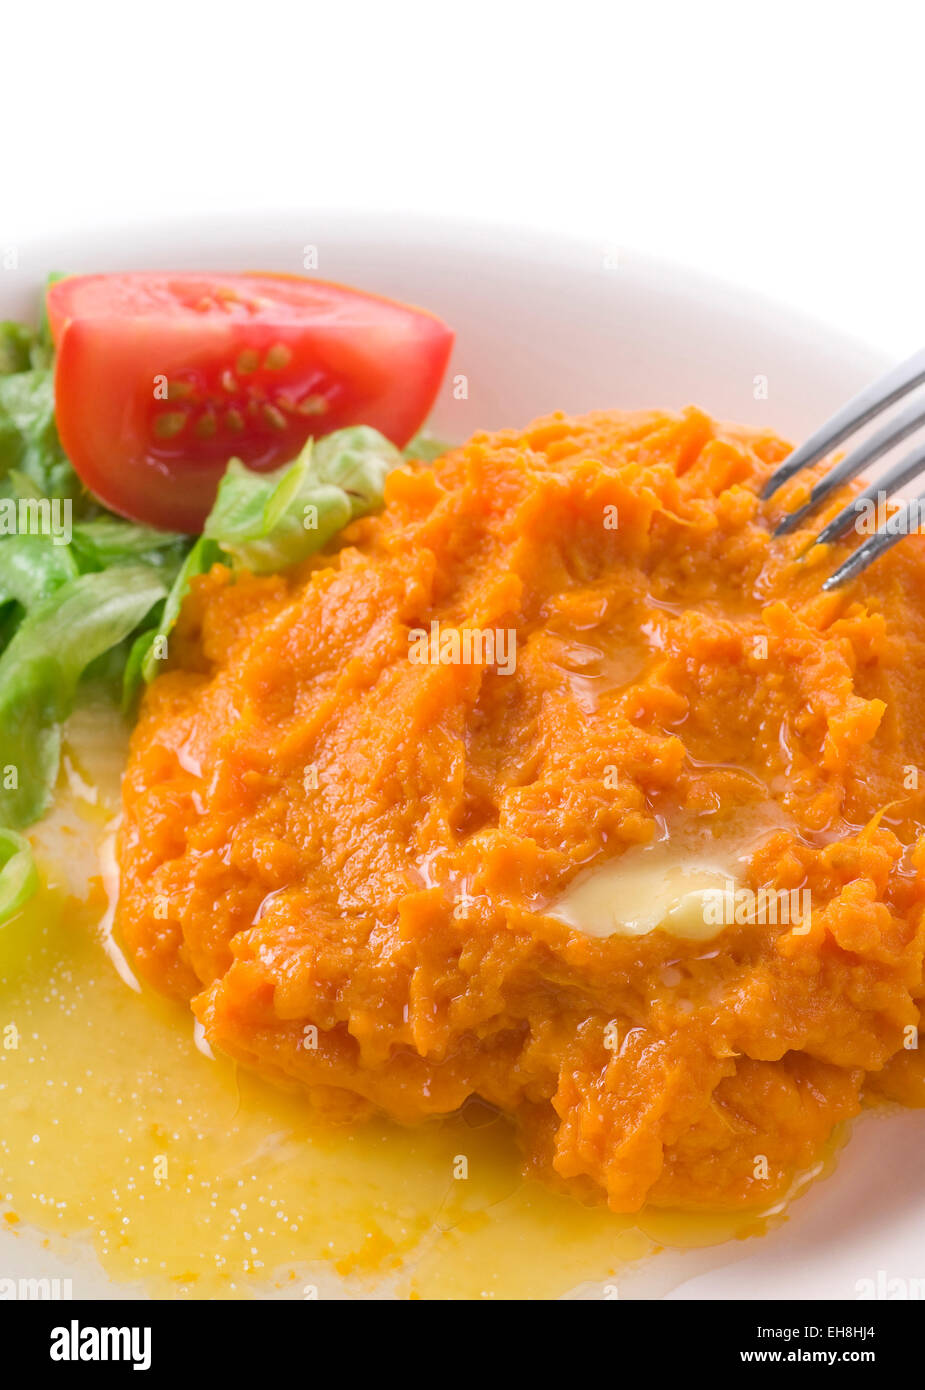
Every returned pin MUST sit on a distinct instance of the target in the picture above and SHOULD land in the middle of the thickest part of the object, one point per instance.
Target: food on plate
(531, 779)
(469, 804)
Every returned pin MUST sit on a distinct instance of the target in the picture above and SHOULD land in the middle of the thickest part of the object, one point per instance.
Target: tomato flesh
(161, 378)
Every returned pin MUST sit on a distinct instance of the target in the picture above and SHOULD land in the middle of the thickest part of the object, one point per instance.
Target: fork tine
(894, 530)
(895, 430)
(908, 467)
(863, 407)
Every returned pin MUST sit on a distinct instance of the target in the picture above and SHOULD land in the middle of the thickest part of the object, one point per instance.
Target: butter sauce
(189, 1178)
(668, 884)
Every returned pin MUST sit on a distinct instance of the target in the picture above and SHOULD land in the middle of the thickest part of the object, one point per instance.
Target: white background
(777, 144)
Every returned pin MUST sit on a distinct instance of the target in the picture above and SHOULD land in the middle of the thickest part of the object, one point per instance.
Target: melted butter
(591, 672)
(685, 886)
(194, 1179)
(644, 889)
(188, 1177)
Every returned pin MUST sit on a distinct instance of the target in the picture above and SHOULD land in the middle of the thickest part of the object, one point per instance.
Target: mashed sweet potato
(347, 860)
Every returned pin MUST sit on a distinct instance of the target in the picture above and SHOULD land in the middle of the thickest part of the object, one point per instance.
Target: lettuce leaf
(143, 661)
(108, 540)
(18, 876)
(266, 522)
(16, 346)
(40, 669)
(29, 443)
(31, 568)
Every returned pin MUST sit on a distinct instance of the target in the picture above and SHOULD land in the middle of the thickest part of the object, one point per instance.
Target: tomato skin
(161, 378)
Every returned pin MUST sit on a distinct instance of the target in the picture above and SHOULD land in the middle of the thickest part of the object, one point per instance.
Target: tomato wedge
(160, 378)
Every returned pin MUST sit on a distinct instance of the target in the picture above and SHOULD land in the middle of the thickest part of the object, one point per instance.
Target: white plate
(545, 323)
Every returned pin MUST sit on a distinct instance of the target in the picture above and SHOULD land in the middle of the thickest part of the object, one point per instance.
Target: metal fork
(866, 406)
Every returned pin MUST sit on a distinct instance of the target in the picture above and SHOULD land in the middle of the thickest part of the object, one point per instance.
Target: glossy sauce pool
(190, 1178)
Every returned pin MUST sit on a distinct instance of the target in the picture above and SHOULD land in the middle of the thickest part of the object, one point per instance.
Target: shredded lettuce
(268, 521)
(29, 444)
(32, 568)
(18, 876)
(260, 524)
(39, 671)
(16, 345)
(108, 540)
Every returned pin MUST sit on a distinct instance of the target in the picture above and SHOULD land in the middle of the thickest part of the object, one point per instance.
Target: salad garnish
(89, 594)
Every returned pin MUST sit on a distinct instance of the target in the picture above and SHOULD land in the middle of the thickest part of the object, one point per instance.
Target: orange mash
(355, 851)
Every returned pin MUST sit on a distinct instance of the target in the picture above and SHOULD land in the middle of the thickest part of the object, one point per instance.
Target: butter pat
(649, 887)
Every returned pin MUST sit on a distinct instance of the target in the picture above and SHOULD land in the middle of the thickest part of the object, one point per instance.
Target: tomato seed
(278, 356)
(169, 423)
